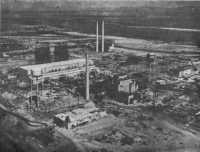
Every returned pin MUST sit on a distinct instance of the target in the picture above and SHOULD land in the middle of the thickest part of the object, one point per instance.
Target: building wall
(56, 69)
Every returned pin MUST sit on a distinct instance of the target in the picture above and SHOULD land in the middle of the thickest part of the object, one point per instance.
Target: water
(170, 29)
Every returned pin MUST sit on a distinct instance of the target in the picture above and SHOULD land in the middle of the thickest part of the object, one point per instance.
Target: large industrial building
(39, 73)
(54, 70)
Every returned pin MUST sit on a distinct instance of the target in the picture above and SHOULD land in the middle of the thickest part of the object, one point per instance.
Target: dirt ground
(134, 129)
(126, 128)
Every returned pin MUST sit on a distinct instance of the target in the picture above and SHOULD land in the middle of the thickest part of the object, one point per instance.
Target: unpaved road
(189, 139)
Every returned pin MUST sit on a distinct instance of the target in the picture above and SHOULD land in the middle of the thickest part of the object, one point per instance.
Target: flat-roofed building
(56, 69)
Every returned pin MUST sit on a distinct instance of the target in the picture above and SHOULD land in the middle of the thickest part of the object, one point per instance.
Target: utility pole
(31, 95)
(37, 92)
(31, 77)
(42, 85)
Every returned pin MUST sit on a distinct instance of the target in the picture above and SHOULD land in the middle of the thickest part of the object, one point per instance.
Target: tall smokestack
(97, 37)
(102, 36)
(87, 78)
(0, 16)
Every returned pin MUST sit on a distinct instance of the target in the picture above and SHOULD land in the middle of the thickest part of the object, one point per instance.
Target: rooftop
(39, 67)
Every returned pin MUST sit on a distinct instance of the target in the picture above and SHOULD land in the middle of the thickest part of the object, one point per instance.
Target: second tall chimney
(102, 36)
(97, 37)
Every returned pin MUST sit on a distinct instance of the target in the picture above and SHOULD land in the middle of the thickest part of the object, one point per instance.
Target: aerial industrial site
(87, 77)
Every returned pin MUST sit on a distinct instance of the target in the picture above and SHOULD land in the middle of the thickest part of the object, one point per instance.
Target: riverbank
(147, 46)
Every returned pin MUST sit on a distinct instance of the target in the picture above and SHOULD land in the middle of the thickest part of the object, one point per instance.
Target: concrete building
(70, 120)
(54, 70)
(188, 73)
(126, 90)
(128, 86)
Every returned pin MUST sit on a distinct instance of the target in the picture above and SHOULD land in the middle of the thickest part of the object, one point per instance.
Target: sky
(105, 0)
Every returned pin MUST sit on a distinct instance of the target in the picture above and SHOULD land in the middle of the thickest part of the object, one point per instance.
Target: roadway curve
(27, 121)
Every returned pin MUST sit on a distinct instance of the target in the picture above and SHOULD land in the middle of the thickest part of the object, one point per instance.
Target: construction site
(77, 92)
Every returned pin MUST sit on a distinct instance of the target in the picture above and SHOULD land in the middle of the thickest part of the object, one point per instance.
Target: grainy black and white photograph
(99, 76)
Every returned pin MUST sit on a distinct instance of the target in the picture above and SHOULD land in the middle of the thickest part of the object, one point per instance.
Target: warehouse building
(54, 70)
